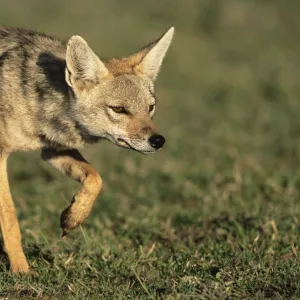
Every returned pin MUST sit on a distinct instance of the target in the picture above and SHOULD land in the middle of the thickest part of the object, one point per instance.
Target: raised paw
(69, 220)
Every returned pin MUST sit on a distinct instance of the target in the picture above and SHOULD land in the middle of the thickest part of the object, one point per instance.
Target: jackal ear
(84, 69)
(154, 53)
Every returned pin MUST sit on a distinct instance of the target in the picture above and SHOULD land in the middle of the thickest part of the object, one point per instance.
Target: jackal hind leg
(9, 223)
(71, 163)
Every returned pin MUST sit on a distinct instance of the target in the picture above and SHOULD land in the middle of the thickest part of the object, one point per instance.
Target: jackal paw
(19, 268)
(69, 221)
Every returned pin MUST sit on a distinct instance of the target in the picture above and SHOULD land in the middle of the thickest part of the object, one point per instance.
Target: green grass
(216, 214)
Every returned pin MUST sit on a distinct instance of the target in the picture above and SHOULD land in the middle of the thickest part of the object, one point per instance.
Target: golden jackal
(57, 97)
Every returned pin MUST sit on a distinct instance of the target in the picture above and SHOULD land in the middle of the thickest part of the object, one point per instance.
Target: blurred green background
(213, 215)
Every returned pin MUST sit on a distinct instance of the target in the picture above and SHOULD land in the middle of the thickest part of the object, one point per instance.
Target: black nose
(156, 141)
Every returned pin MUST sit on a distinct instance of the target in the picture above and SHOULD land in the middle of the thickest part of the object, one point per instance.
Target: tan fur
(57, 97)
(9, 223)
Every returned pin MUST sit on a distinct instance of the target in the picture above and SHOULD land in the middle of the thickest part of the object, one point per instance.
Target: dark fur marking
(3, 33)
(41, 92)
(24, 71)
(3, 58)
(56, 122)
(54, 70)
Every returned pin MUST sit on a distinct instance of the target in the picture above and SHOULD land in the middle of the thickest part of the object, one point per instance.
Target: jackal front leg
(9, 223)
(72, 163)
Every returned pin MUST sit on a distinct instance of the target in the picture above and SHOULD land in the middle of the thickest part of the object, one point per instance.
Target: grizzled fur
(57, 97)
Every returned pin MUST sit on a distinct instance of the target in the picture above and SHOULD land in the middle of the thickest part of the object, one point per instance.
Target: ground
(215, 214)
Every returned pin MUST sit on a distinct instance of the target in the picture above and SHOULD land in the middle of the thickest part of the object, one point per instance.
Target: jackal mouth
(125, 144)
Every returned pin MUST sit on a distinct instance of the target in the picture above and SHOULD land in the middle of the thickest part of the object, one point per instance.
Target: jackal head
(115, 99)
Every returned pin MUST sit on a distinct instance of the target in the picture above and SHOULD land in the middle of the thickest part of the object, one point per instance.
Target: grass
(215, 215)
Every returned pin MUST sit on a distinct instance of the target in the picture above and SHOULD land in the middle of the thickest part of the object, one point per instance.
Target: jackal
(57, 97)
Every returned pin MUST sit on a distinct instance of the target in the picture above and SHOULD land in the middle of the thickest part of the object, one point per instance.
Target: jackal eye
(119, 109)
(151, 107)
